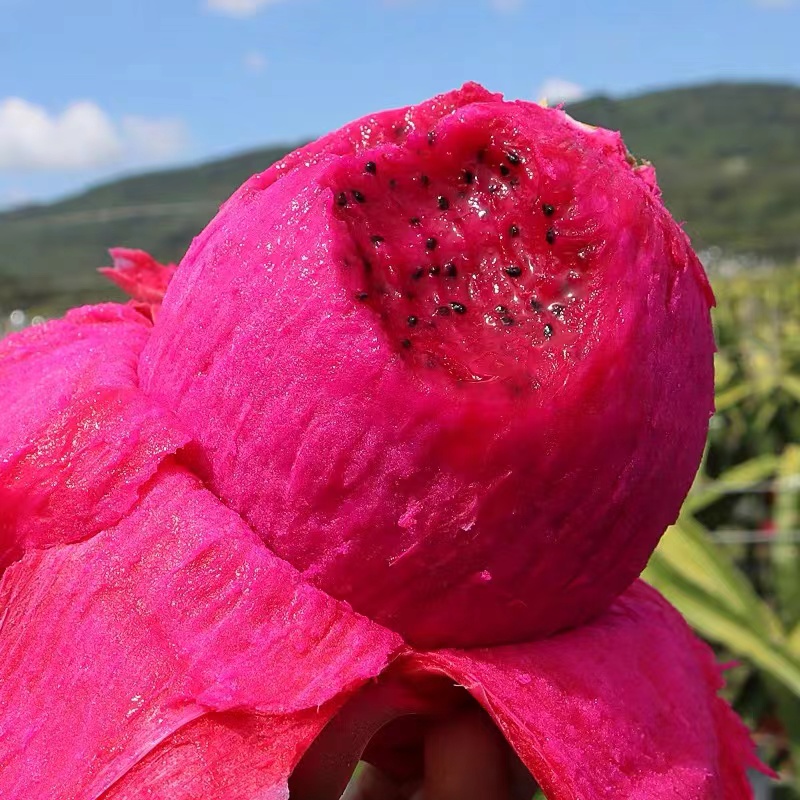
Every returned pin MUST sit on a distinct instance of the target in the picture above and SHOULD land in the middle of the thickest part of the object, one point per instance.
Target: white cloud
(558, 90)
(82, 136)
(153, 139)
(13, 197)
(240, 8)
(255, 61)
(31, 138)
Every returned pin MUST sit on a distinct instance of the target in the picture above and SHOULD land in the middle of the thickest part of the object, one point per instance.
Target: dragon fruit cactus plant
(416, 408)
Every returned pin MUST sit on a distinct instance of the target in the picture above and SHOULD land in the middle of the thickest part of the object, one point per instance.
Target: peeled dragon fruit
(439, 380)
(470, 372)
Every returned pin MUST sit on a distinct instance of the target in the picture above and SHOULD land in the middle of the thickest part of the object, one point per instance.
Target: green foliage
(49, 254)
(744, 596)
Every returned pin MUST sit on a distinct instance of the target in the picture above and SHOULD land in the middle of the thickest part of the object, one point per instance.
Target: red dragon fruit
(439, 380)
(469, 375)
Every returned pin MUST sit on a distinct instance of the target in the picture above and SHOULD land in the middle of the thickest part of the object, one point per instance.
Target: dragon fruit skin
(142, 277)
(152, 646)
(174, 617)
(77, 437)
(581, 739)
(463, 481)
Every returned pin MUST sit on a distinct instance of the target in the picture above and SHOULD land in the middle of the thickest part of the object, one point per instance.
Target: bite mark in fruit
(455, 231)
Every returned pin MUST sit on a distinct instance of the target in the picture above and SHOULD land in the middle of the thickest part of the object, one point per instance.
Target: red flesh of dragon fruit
(469, 373)
(452, 366)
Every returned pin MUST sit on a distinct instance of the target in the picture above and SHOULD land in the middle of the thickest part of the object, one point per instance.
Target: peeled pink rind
(626, 706)
(383, 724)
(112, 645)
(231, 756)
(364, 453)
(571, 707)
(77, 437)
(139, 275)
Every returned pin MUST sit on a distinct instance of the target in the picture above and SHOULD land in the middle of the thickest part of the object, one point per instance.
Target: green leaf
(717, 622)
(687, 550)
(732, 397)
(749, 473)
(793, 640)
(791, 384)
(785, 551)
(787, 708)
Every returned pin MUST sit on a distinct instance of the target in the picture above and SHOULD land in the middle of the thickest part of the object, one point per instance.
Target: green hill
(727, 157)
(48, 253)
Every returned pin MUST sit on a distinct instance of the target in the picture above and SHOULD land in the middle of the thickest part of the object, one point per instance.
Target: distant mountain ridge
(727, 156)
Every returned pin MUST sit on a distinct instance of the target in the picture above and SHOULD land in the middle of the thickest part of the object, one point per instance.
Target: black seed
(514, 181)
(459, 308)
(548, 209)
(415, 221)
(406, 343)
(371, 167)
(513, 272)
(550, 236)
(392, 183)
(557, 309)
(536, 305)
(513, 231)
(507, 320)
(417, 273)
(513, 158)
(376, 239)
(430, 243)
(358, 197)
(450, 269)
(548, 331)
(361, 296)
(431, 137)
(341, 199)
(443, 311)
(412, 321)
(493, 188)
(469, 176)
(434, 271)
(504, 170)
(424, 180)
(443, 202)
(501, 309)
(481, 155)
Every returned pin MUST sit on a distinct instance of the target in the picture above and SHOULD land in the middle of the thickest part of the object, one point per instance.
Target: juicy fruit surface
(454, 248)
(467, 373)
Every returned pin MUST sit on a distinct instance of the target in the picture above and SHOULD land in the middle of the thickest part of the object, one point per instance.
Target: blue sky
(94, 88)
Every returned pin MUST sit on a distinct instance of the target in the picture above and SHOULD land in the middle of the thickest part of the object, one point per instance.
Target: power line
(744, 536)
(785, 483)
